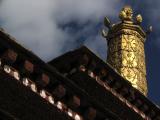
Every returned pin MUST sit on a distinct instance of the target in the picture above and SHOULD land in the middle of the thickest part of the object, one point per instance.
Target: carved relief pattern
(126, 55)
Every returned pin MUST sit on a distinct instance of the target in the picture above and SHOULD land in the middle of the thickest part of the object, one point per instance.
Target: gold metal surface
(126, 13)
(126, 49)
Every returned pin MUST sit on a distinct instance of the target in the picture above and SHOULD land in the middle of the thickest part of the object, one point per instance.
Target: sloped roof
(22, 71)
(86, 63)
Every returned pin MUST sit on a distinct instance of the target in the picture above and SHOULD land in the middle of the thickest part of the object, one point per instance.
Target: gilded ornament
(126, 13)
(150, 29)
(139, 18)
(126, 48)
(107, 22)
(104, 33)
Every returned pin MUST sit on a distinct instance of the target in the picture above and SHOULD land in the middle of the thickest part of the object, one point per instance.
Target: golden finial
(104, 33)
(149, 30)
(139, 18)
(126, 41)
(107, 22)
(126, 13)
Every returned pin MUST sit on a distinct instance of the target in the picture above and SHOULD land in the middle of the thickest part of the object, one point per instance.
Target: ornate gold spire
(126, 48)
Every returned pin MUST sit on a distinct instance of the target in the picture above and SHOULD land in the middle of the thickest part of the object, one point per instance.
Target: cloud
(44, 25)
(84, 10)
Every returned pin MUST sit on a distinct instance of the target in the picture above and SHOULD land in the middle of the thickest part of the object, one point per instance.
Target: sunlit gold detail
(126, 13)
(126, 49)
(139, 18)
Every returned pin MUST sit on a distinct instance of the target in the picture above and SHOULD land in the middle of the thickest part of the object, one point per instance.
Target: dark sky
(58, 26)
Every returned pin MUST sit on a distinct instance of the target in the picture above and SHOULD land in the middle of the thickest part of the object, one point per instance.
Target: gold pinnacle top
(126, 14)
(126, 48)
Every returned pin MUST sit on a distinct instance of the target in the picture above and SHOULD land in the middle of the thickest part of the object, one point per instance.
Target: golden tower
(126, 48)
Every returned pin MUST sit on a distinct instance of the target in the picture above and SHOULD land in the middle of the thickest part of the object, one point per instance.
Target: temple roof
(88, 64)
(40, 88)
(61, 89)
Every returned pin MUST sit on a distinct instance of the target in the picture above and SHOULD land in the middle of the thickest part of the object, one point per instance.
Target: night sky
(52, 27)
